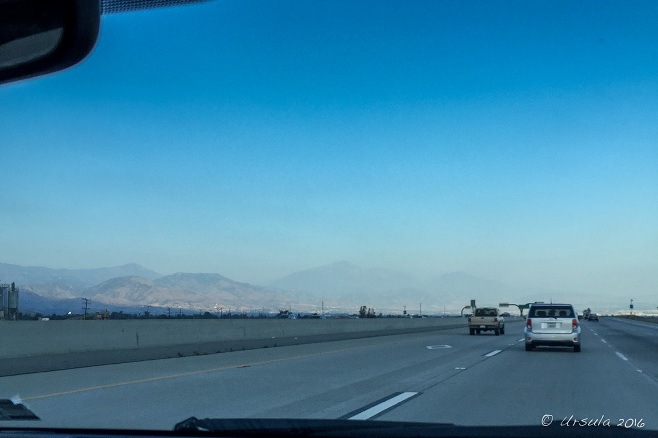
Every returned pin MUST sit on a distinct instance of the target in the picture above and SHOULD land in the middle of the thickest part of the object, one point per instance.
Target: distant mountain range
(70, 279)
(340, 284)
(339, 287)
(390, 291)
(207, 292)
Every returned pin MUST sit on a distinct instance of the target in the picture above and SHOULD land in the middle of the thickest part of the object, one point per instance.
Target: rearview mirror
(45, 36)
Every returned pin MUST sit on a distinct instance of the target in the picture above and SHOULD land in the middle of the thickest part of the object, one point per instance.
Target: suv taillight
(469, 319)
(529, 323)
(574, 324)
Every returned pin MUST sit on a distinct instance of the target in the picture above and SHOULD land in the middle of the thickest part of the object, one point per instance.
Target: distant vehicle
(485, 319)
(593, 317)
(316, 316)
(586, 313)
(552, 325)
(286, 316)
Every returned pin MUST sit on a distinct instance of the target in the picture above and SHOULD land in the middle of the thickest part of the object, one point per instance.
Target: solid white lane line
(493, 353)
(621, 355)
(369, 413)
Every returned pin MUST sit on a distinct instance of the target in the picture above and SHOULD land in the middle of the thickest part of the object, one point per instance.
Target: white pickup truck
(486, 318)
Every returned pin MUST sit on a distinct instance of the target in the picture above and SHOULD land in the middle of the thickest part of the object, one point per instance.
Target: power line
(87, 301)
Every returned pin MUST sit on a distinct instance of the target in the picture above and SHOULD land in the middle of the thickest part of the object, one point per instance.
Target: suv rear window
(551, 312)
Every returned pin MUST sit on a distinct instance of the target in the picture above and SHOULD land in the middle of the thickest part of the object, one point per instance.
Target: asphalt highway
(439, 376)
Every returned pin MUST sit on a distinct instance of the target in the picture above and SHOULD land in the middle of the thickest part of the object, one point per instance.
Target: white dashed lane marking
(493, 353)
(381, 407)
(621, 355)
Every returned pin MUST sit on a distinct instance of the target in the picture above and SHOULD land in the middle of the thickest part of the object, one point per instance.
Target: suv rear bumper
(555, 339)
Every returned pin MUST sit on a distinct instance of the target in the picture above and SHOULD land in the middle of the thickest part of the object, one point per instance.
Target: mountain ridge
(72, 278)
(339, 287)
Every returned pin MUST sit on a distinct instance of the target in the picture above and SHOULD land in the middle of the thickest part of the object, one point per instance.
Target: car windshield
(233, 197)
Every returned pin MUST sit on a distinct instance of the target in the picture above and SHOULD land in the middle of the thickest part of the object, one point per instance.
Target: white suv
(552, 325)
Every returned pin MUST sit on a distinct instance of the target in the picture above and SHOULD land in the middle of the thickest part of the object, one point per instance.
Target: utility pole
(86, 300)
(420, 309)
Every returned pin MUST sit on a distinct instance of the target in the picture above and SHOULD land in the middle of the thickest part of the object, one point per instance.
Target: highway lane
(637, 341)
(520, 387)
(357, 378)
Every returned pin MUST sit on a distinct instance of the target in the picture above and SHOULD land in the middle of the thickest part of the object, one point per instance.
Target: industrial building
(8, 302)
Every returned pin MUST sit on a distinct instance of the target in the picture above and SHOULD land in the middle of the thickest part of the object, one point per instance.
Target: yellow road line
(191, 373)
(210, 370)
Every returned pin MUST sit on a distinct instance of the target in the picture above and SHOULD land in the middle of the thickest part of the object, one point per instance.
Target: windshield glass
(290, 209)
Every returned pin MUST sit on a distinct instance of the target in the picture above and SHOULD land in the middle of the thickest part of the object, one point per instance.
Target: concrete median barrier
(36, 346)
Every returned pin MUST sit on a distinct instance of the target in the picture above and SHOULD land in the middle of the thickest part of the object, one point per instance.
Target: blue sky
(516, 141)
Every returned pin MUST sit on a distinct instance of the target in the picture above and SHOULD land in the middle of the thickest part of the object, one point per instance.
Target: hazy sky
(517, 141)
